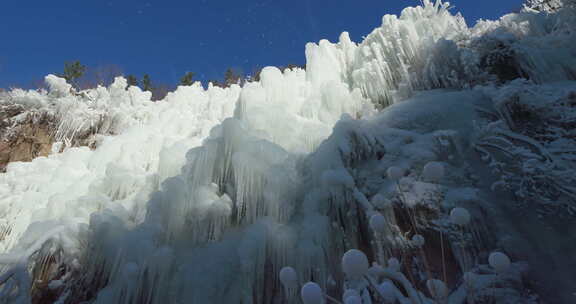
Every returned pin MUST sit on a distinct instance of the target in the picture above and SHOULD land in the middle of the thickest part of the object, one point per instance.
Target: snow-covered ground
(205, 196)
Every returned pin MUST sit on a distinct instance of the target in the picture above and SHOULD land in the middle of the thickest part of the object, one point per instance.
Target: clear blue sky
(167, 38)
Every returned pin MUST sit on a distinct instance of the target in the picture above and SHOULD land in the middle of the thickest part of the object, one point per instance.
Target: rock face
(23, 135)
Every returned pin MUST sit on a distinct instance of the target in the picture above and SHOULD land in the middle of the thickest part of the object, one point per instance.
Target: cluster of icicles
(364, 280)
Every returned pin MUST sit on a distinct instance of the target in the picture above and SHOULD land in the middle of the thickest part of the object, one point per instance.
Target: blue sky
(167, 38)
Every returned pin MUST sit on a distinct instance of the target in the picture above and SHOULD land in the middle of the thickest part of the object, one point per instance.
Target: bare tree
(160, 91)
(100, 75)
(232, 76)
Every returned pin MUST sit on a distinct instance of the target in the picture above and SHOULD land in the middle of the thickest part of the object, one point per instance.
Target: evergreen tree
(231, 77)
(73, 71)
(132, 80)
(146, 83)
(187, 80)
(256, 73)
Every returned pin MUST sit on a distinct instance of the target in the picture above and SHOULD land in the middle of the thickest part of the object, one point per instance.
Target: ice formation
(499, 261)
(288, 277)
(433, 171)
(239, 195)
(549, 5)
(418, 240)
(353, 300)
(354, 263)
(312, 294)
(378, 223)
(350, 293)
(394, 264)
(388, 292)
(395, 173)
(437, 289)
(460, 216)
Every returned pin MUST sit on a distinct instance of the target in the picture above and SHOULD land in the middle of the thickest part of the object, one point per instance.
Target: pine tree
(73, 71)
(147, 83)
(187, 79)
(231, 77)
(132, 80)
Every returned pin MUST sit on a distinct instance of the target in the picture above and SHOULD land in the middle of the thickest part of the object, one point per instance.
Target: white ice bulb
(460, 216)
(311, 293)
(418, 240)
(378, 223)
(499, 261)
(355, 263)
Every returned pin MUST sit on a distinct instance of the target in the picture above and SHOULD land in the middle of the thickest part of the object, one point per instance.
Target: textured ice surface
(208, 194)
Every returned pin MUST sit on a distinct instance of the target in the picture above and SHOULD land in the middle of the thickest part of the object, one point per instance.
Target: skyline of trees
(83, 77)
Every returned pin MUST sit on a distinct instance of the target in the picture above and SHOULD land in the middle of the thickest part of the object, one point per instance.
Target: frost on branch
(526, 144)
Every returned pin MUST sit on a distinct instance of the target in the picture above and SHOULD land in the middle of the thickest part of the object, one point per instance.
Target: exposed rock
(23, 138)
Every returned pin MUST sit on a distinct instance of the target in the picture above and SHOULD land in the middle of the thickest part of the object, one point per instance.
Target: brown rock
(28, 138)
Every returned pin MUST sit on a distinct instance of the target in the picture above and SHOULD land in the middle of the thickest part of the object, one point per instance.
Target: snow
(57, 85)
(549, 5)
